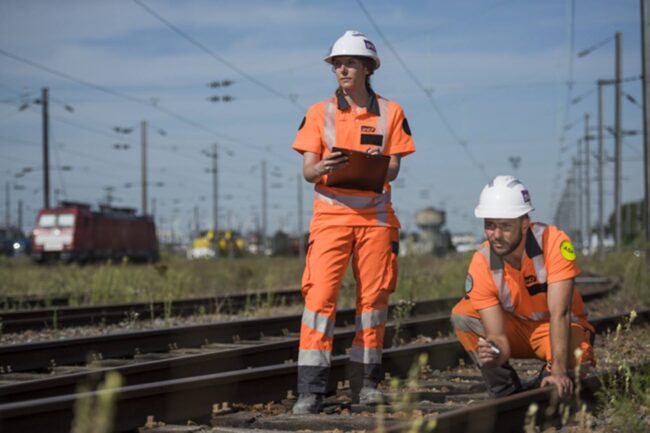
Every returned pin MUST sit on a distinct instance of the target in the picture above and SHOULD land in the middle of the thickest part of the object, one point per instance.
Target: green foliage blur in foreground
(422, 277)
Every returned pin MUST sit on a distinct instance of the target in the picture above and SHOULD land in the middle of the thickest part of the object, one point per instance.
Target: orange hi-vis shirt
(548, 258)
(333, 122)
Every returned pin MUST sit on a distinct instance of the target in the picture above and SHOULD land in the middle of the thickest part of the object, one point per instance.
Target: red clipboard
(364, 171)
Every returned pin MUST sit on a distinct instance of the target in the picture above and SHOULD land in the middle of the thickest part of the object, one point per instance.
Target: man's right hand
(487, 355)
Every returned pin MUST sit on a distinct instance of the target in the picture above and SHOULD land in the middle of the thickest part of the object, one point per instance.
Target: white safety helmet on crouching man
(353, 43)
(504, 197)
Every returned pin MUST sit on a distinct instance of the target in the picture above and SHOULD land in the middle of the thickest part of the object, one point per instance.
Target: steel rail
(227, 357)
(43, 355)
(16, 321)
(30, 302)
(192, 398)
(508, 414)
(31, 356)
(62, 316)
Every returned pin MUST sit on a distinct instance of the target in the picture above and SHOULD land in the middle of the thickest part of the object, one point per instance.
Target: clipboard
(364, 171)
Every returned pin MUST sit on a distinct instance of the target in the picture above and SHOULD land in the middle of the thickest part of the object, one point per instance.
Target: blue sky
(497, 71)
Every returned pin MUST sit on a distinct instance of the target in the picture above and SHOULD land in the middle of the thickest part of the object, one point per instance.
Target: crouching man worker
(520, 300)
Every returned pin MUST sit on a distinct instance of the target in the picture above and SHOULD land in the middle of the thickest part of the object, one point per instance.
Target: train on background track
(73, 232)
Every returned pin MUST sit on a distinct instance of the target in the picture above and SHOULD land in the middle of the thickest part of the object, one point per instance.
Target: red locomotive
(74, 232)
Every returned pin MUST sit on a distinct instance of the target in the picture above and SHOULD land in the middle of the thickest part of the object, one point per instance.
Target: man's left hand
(562, 382)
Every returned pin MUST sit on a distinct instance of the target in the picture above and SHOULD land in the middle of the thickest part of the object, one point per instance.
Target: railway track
(31, 302)
(194, 397)
(162, 377)
(65, 316)
(71, 352)
(58, 314)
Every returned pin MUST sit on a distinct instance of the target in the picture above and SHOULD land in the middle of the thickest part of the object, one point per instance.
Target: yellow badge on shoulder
(567, 251)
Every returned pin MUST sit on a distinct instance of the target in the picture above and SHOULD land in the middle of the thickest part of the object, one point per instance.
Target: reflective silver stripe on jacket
(382, 122)
(318, 322)
(330, 123)
(538, 316)
(365, 355)
(379, 202)
(538, 261)
(371, 319)
(496, 267)
(354, 201)
(314, 357)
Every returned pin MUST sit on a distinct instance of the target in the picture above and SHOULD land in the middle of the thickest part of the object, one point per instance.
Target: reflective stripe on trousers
(375, 273)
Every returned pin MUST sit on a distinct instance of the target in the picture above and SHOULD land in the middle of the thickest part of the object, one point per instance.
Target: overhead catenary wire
(217, 57)
(109, 135)
(141, 101)
(427, 92)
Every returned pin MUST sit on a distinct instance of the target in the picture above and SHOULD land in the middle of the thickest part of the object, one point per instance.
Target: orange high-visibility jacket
(333, 122)
(548, 258)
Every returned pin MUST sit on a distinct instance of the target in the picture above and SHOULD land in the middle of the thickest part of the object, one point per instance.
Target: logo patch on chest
(365, 128)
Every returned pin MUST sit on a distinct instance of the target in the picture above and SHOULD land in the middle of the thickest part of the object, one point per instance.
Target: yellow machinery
(230, 244)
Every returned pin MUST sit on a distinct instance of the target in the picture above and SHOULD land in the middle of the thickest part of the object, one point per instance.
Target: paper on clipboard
(363, 171)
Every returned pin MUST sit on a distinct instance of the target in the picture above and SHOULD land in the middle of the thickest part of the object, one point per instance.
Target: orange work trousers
(373, 251)
(527, 338)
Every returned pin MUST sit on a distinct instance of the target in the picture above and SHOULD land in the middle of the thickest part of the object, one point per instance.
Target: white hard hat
(353, 43)
(503, 197)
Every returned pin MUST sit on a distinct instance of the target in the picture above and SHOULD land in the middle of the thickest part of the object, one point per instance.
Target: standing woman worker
(348, 223)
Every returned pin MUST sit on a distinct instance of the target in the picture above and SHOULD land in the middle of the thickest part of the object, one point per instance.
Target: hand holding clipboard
(364, 171)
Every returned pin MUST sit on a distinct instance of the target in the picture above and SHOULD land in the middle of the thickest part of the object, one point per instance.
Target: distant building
(432, 237)
(464, 242)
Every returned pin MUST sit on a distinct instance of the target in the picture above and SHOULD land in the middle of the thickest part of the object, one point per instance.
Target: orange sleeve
(399, 140)
(309, 137)
(482, 293)
(559, 255)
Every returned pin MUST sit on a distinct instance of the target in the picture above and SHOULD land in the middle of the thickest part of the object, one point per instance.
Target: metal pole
(46, 150)
(579, 195)
(20, 216)
(574, 201)
(601, 184)
(264, 204)
(196, 220)
(215, 198)
(301, 243)
(143, 136)
(7, 206)
(587, 185)
(618, 141)
(645, 68)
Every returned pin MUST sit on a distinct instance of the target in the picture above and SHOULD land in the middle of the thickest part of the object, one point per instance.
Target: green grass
(630, 265)
(420, 277)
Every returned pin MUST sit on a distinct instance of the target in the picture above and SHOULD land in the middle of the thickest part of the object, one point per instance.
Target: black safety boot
(308, 403)
(370, 396)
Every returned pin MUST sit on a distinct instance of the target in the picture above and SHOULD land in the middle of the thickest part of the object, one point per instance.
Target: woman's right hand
(332, 162)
